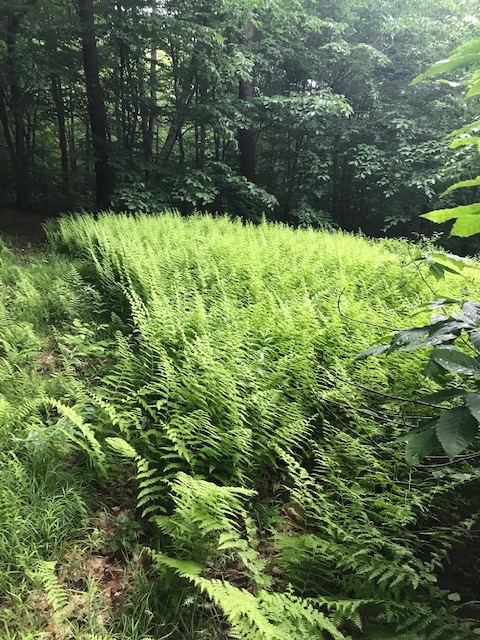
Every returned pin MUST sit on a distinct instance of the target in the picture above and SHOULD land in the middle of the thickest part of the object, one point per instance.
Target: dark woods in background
(299, 110)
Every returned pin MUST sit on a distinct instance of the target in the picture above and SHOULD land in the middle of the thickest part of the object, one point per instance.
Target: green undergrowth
(189, 449)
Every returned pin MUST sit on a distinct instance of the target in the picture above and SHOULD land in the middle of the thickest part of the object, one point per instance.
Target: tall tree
(104, 176)
(246, 134)
(13, 84)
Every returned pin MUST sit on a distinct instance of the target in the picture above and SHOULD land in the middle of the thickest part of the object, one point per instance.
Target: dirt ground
(22, 229)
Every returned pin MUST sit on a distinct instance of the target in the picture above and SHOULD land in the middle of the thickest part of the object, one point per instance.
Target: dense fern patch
(198, 377)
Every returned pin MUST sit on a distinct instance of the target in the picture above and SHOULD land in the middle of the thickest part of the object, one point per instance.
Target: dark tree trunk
(246, 137)
(104, 177)
(152, 119)
(22, 182)
(57, 93)
(5, 126)
(182, 99)
(200, 128)
(72, 137)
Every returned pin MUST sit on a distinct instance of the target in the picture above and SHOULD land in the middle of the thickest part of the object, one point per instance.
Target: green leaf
(475, 338)
(432, 341)
(464, 56)
(456, 361)
(449, 260)
(372, 351)
(437, 270)
(447, 66)
(433, 370)
(420, 445)
(473, 403)
(456, 428)
(466, 226)
(463, 184)
(122, 447)
(182, 567)
(474, 90)
(464, 141)
(443, 215)
(443, 395)
(472, 127)
(436, 304)
(472, 311)
(406, 336)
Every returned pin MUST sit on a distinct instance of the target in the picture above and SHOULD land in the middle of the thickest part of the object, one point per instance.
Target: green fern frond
(88, 442)
(57, 596)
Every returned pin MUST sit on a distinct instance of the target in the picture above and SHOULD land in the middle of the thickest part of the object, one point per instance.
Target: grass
(189, 450)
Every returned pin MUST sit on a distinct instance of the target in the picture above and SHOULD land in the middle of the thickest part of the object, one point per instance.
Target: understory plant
(193, 451)
(274, 495)
(454, 362)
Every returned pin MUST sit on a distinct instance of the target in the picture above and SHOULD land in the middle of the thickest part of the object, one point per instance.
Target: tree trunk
(72, 137)
(22, 183)
(104, 177)
(5, 126)
(152, 120)
(182, 99)
(246, 137)
(57, 93)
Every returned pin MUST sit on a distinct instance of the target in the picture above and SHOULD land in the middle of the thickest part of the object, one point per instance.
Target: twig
(466, 458)
(365, 322)
(387, 395)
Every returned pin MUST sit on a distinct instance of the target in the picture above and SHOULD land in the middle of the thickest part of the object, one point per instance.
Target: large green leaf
(472, 46)
(475, 338)
(464, 56)
(373, 351)
(464, 141)
(421, 444)
(456, 361)
(449, 259)
(447, 66)
(472, 127)
(471, 311)
(432, 341)
(466, 226)
(456, 428)
(474, 90)
(463, 184)
(474, 84)
(443, 215)
(473, 403)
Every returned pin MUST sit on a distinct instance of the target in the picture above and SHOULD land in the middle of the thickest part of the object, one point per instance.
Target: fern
(266, 616)
(210, 359)
(85, 438)
(57, 596)
(203, 507)
(151, 488)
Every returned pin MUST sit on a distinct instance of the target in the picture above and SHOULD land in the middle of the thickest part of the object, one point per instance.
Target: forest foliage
(181, 408)
(298, 110)
(193, 443)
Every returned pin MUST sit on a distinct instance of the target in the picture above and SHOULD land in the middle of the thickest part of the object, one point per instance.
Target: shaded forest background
(297, 110)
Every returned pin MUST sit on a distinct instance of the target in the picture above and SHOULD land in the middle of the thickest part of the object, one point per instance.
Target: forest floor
(22, 229)
(185, 433)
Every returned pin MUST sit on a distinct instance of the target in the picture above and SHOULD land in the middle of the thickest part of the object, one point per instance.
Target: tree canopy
(297, 110)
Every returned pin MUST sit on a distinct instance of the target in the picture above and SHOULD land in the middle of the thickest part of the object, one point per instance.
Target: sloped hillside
(190, 449)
